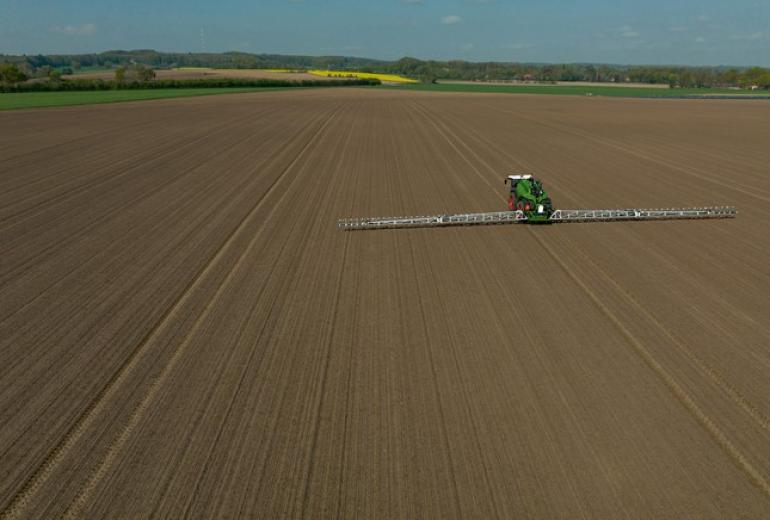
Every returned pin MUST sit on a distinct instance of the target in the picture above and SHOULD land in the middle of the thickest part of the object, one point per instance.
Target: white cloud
(467, 47)
(756, 36)
(628, 32)
(517, 46)
(677, 28)
(450, 19)
(700, 39)
(76, 30)
(702, 18)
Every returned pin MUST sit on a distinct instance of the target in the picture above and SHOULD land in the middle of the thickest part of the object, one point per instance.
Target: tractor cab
(527, 195)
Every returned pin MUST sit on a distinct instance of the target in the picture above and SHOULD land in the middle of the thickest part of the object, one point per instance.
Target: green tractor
(529, 197)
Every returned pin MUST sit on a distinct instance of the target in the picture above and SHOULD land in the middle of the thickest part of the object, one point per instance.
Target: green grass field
(578, 90)
(56, 99)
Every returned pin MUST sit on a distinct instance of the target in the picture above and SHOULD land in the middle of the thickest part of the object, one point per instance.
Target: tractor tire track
(33, 484)
(744, 403)
(687, 401)
(748, 191)
(75, 509)
(753, 474)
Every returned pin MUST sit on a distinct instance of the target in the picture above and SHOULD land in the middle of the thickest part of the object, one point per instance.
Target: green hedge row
(98, 84)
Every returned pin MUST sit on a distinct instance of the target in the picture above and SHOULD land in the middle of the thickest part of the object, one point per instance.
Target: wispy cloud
(517, 46)
(628, 32)
(411, 2)
(451, 19)
(753, 37)
(467, 47)
(702, 18)
(759, 35)
(76, 30)
(678, 28)
(700, 39)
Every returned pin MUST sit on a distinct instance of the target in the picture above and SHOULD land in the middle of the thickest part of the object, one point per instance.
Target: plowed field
(185, 333)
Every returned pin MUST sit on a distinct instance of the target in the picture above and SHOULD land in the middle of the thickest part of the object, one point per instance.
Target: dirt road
(185, 333)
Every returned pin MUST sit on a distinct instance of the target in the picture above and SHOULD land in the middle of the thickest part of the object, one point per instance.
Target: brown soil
(184, 331)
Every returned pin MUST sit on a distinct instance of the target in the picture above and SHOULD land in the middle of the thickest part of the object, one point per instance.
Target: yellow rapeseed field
(391, 78)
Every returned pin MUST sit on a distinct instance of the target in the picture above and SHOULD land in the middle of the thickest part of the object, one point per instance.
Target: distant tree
(763, 80)
(54, 75)
(703, 77)
(686, 79)
(144, 74)
(39, 61)
(120, 75)
(590, 73)
(43, 71)
(11, 73)
(729, 77)
(752, 77)
(427, 78)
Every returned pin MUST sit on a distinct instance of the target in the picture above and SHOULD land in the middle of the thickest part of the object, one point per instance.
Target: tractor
(527, 195)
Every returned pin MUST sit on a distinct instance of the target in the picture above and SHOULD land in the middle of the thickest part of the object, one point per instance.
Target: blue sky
(706, 32)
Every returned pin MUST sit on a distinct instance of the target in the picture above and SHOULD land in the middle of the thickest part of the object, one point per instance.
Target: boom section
(461, 219)
(604, 215)
(519, 217)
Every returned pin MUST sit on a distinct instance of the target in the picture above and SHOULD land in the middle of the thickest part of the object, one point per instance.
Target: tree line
(164, 60)
(122, 83)
(674, 76)
(424, 70)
